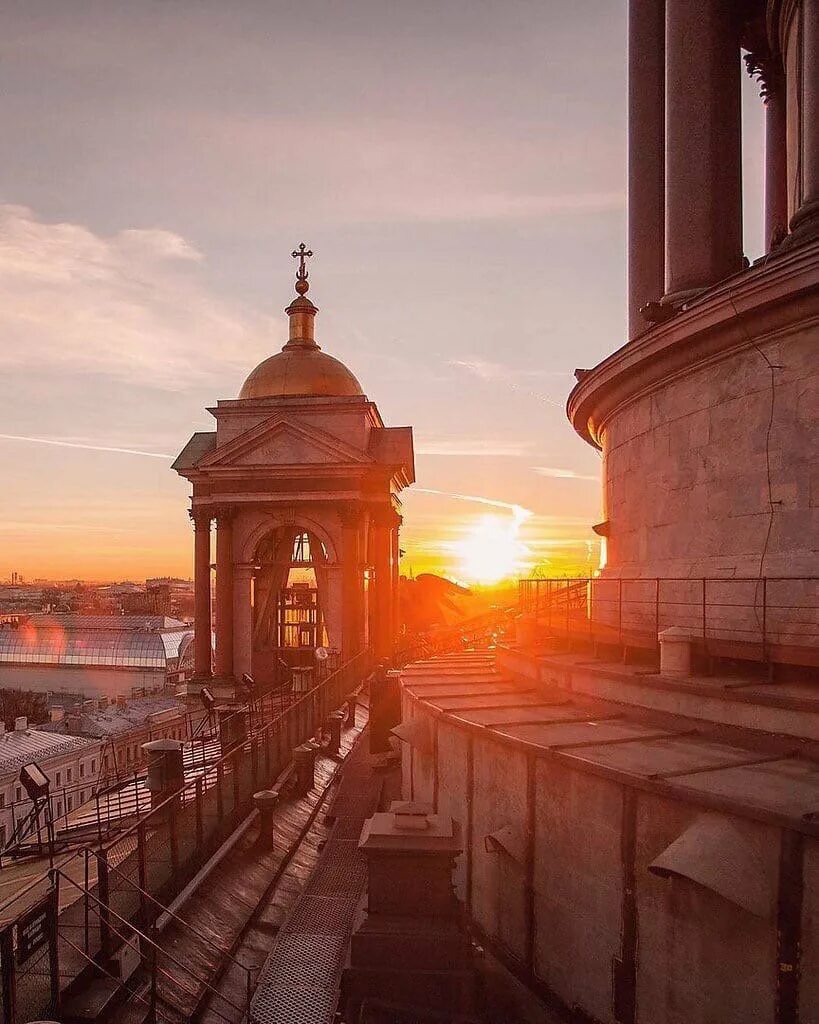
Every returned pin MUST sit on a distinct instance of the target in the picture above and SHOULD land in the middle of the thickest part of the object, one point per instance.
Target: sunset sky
(458, 169)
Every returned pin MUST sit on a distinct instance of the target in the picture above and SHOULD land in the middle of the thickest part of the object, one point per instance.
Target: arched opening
(289, 604)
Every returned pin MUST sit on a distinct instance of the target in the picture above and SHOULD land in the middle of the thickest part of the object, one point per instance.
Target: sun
(492, 549)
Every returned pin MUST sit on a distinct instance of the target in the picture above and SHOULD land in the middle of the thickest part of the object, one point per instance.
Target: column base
(804, 226)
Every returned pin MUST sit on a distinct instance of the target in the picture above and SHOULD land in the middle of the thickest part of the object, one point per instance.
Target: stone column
(395, 579)
(646, 158)
(224, 593)
(805, 221)
(703, 173)
(382, 523)
(353, 580)
(776, 159)
(201, 594)
(242, 620)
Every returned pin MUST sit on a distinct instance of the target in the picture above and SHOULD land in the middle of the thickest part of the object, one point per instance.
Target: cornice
(770, 298)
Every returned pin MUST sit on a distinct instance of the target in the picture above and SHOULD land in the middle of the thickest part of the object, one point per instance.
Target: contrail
(85, 447)
(520, 513)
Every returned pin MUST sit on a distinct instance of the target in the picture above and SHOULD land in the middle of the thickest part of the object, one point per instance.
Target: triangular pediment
(284, 442)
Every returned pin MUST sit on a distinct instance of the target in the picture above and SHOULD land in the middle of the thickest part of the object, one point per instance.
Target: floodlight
(34, 780)
(207, 698)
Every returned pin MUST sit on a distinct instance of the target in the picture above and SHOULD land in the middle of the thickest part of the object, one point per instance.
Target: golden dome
(301, 368)
(300, 371)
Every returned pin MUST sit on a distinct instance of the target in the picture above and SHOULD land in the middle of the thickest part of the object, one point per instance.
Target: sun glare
(492, 550)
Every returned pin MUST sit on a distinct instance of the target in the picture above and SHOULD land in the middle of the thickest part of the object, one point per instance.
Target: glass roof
(29, 645)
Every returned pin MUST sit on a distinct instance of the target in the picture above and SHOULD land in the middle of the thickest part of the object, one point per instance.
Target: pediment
(284, 442)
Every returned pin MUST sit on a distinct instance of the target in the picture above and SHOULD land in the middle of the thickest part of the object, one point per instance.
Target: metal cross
(301, 254)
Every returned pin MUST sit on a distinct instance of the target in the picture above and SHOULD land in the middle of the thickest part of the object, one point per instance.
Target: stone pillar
(805, 221)
(242, 620)
(201, 594)
(352, 581)
(776, 157)
(224, 593)
(381, 527)
(396, 580)
(646, 158)
(703, 172)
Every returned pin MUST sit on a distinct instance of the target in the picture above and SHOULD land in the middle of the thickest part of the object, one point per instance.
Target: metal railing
(135, 873)
(768, 620)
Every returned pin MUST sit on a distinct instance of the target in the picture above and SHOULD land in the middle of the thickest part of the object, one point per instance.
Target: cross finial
(301, 254)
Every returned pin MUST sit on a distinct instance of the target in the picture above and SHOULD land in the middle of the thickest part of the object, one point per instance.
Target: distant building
(94, 655)
(72, 764)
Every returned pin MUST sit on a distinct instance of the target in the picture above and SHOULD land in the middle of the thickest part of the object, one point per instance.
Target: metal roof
(75, 620)
(18, 748)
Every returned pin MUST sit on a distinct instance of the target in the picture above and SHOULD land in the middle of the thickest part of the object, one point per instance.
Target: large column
(201, 594)
(396, 575)
(805, 220)
(776, 159)
(242, 621)
(224, 593)
(646, 158)
(353, 581)
(703, 173)
(382, 519)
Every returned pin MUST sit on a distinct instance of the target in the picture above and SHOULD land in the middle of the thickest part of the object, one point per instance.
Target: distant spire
(301, 310)
(300, 254)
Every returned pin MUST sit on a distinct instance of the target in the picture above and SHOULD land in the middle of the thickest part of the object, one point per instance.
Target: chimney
(20, 724)
(57, 713)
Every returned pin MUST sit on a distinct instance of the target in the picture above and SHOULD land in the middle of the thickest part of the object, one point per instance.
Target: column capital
(350, 513)
(200, 517)
(767, 70)
(384, 516)
(224, 515)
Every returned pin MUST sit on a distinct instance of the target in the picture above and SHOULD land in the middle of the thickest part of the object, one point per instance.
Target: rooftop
(19, 747)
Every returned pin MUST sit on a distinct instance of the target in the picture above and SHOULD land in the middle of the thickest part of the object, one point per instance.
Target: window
(68, 774)
(105, 762)
(2, 836)
(82, 796)
(59, 808)
(58, 779)
(82, 769)
(93, 765)
(18, 794)
(70, 804)
(2, 801)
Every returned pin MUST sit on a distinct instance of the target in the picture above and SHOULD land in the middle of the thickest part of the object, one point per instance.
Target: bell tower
(302, 481)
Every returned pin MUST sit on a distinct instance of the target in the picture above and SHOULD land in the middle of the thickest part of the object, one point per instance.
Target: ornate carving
(384, 516)
(201, 518)
(224, 515)
(766, 69)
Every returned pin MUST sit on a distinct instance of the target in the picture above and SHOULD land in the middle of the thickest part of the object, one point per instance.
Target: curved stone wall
(687, 467)
(565, 817)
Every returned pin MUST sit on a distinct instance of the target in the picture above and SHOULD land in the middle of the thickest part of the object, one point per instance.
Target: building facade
(302, 479)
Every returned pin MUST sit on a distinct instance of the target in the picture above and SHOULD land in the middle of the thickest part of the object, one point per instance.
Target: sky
(458, 168)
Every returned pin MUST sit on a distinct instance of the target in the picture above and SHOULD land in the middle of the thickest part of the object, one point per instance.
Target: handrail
(137, 931)
(156, 902)
(226, 759)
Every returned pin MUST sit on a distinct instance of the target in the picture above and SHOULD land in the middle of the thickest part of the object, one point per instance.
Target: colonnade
(369, 567)
(685, 145)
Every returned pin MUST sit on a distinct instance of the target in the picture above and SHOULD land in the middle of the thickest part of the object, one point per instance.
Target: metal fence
(96, 896)
(770, 619)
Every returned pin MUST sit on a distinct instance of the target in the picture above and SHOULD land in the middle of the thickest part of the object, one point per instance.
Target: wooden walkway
(233, 916)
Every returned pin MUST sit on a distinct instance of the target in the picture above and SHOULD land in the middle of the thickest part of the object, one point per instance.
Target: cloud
(473, 447)
(514, 379)
(86, 447)
(518, 511)
(563, 474)
(131, 306)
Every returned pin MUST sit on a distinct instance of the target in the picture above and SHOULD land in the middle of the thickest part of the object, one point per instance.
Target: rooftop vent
(20, 724)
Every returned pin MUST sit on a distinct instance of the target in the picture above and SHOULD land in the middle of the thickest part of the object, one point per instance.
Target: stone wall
(686, 467)
(556, 877)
